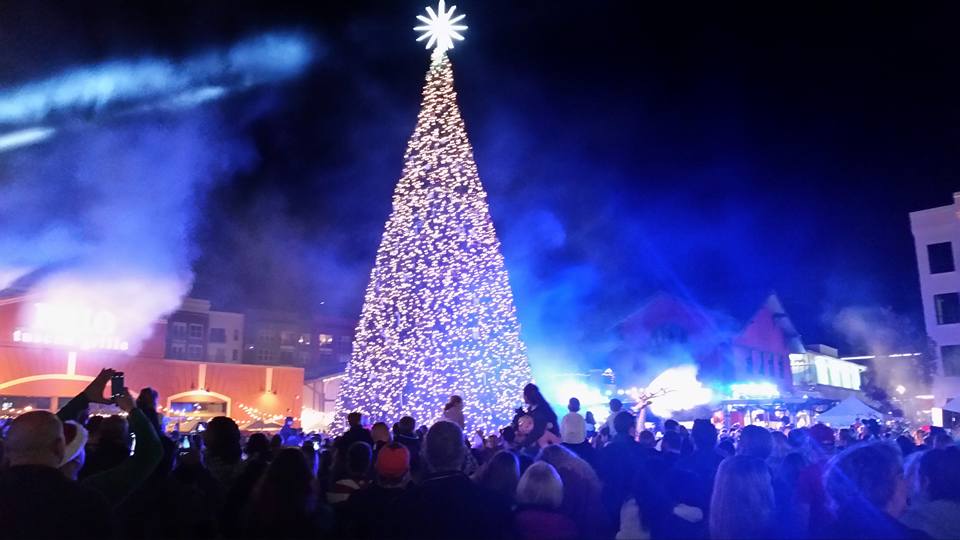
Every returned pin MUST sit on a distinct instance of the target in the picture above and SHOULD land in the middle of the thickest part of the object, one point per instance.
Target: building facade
(43, 365)
(936, 236)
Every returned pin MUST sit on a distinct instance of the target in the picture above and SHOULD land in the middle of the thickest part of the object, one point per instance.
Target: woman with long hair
(581, 491)
(284, 503)
(500, 475)
(742, 506)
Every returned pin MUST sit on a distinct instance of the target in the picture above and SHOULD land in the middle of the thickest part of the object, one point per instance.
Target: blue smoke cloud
(104, 215)
(142, 85)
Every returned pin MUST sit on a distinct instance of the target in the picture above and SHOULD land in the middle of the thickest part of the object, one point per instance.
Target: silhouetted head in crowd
(589, 418)
(672, 443)
(406, 425)
(222, 440)
(443, 448)
(726, 448)
(940, 474)
(822, 434)
(742, 505)
(647, 439)
(284, 494)
(93, 424)
(258, 446)
(532, 395)
(671, 425)
(755, 441)
(906, 445)
(114, 431)
(359, 456)
(867, 478)
(35, 438)
(942, 440)
(573, 405)
(624, 423)
(354, 420)
(380, 433)
(704, 434)
(615, 405)
(540, 486)
(276, 443)
(500, 474)
(393, 464)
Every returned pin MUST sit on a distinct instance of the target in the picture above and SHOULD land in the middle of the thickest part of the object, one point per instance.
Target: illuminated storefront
(49, 353)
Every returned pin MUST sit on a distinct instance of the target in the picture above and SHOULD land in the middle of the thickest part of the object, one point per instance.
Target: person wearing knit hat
(372, 512)
(74, 455)
(393, 464)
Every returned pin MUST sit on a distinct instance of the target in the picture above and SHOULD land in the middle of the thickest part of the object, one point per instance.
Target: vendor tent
(846, 413)
(260, 426)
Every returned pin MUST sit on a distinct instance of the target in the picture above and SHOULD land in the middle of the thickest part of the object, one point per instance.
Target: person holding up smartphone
(116, 483)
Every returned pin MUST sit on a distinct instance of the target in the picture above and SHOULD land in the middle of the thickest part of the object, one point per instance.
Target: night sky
(713, 150)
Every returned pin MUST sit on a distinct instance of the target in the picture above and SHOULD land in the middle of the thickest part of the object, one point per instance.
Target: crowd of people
(70, 475)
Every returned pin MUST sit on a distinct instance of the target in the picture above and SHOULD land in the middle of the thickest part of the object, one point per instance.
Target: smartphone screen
(185, 443)
(316, 446)
(116, 384)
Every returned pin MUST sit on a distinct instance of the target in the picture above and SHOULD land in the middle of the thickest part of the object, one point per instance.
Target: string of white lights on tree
(438, 316)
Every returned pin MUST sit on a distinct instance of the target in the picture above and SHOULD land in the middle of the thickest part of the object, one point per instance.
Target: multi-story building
(936, 236)
(225, 338)
(819, 371)
(277, 338)
(187, 330)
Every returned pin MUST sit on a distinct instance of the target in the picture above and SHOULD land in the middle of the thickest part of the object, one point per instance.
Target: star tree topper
(440, 28)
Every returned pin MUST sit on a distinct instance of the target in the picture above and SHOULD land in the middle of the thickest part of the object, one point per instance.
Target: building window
(236, 334)
(267, 335)
(304, 339)
(948, 307)
(218, 335)
(343, 358)
(950, 356)
(194, 352)
(220, 356)
(196, 330)
(286, 356)
(940, 257)
(234, 354)
(178, 330)
(177, 350)
(264, 355)
(324, 340)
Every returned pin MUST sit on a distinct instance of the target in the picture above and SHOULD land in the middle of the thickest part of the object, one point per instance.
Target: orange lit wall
(46, 371)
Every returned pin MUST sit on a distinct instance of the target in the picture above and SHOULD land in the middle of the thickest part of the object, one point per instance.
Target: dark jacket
(585, 450)
(352, 435)
(533, 523)
(617, 466)
(449, 506)
(412, 442)
(39, 502)
(870, 524)
(369, 514)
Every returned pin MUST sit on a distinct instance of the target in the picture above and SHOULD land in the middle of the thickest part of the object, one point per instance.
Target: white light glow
(759, 390)
(440, 28)
(71, 326)
(677, 389)
(24, 137)
(900, 389)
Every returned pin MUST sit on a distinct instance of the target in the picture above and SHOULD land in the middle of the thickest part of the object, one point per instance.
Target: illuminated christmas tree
(438, 315)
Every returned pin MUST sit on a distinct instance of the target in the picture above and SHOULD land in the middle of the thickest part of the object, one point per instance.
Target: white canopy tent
(846, 413)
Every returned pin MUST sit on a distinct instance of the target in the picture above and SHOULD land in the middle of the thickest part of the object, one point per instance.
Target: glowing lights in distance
(440, 28)
(679, 390)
